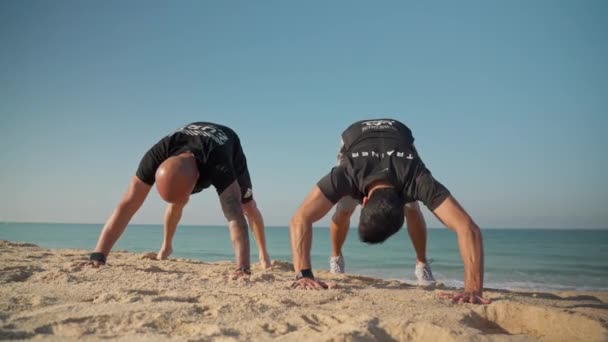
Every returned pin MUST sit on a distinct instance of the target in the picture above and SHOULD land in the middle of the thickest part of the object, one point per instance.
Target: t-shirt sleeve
(336, 184)
(341, 150)
(150, 162)
(429, 191)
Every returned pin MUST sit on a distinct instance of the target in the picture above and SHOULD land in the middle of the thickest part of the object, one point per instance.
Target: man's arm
(230, 199)
(116, 224)
(315, 206)
(471, 248)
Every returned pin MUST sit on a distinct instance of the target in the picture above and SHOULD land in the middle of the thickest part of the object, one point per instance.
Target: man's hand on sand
(239, 273)
(96, 259)
(465, 297)
(312, 284)
(93, 263)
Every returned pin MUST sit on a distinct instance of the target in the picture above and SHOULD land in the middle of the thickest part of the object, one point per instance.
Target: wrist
(97, 256)
(473, 291)
(305, 273)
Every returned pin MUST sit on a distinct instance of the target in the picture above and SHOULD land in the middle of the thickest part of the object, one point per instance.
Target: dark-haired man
(383, 169)
(340, 223)
(185, 162)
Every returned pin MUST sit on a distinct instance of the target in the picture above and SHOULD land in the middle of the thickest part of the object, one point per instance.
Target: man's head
(176, 178)
(381, 215)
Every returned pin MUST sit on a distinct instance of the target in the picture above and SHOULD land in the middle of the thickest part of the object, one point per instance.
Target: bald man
(185, 162)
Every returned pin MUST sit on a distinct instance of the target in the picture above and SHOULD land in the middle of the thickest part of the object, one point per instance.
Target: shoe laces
(426, 269)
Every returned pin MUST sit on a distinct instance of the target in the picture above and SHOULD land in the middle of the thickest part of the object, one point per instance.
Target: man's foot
(164, 253)
(336, 264)
(424, 275)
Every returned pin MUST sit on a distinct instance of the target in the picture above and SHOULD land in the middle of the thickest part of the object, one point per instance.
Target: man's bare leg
(256, 222)
(339, 225)
(173, 214)
(416, 228)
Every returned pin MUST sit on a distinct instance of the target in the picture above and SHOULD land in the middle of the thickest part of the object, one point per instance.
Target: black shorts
(246, 188)
(243, 178)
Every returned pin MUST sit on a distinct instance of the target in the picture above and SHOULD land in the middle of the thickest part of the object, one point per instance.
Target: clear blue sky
(507, 100)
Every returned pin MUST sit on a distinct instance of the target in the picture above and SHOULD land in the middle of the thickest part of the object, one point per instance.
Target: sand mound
(547, 324)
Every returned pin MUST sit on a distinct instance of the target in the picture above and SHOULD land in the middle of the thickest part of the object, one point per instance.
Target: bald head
(176, 178)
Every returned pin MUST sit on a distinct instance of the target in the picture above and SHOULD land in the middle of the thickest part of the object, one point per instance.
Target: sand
(47, 294)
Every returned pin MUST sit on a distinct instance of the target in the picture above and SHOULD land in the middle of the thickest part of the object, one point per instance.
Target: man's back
(379, 149)
(376, 132)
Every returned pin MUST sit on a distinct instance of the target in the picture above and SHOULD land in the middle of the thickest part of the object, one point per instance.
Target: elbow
(474, 231)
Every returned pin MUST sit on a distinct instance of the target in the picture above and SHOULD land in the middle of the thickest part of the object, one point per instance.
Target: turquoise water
(515, 258)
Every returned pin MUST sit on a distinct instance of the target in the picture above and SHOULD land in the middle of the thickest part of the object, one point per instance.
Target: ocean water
(530, 259)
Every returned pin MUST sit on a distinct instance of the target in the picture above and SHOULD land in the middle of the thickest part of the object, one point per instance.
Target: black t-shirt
(217, 150)
(381, 149)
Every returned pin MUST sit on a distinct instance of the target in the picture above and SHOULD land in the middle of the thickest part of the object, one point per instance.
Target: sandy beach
(47, 294)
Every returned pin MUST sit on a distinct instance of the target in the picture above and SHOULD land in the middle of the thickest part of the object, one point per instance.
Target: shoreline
(46, 293)
(536, 265)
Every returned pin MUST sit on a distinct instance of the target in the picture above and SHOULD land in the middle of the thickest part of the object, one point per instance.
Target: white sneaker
(424, 275)
(336, 264)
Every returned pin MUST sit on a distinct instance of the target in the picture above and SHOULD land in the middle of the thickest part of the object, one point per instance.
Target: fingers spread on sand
(313, 284)
(464, 297)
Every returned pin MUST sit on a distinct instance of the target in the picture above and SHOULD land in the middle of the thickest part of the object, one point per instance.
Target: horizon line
(286, 226)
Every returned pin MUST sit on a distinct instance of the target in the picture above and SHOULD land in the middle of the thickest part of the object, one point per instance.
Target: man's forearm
(113, 229)
(301, 241)
(471, 250)
(240, 242)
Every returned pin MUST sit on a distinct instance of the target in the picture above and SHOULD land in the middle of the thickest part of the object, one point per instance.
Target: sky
(507, 100)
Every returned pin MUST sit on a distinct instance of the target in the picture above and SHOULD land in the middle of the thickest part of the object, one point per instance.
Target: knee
(249, 208)
(341, 216)
(177, 206)
(412, 209)
(474, 229)
(297, 219)
(470, 228)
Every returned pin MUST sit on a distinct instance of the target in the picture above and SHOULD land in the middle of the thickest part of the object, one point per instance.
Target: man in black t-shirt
(185, 162)
(345, 207)
(381, 168)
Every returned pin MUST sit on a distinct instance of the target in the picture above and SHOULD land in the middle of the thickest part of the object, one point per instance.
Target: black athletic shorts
(243, 178)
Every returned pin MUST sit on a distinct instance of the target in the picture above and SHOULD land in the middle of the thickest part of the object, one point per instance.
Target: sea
(526, 259)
